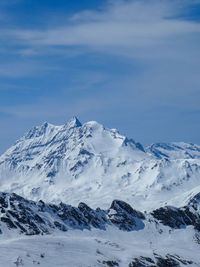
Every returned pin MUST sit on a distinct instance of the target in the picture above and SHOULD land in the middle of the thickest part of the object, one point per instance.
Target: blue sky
(130, 64)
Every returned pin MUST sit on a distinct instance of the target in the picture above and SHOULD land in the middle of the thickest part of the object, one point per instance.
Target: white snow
(92, 248)
(90, 163)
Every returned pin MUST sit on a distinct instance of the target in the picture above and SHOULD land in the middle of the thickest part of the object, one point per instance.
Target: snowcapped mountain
(100, 172)
(93, 164)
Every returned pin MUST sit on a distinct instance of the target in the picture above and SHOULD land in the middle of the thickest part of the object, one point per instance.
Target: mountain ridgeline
(93, 164)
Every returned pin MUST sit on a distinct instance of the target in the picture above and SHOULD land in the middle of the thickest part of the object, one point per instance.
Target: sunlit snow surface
(93, 164)
(94, 248)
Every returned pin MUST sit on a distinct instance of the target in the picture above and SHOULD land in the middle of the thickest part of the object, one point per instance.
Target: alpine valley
(84, 195)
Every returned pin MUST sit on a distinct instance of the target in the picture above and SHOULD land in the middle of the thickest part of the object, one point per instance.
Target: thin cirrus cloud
(123, 24)
(24, 69)
(139, 56)
(151, 33)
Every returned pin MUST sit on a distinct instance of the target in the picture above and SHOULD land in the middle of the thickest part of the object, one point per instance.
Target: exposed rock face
(180, 217)
(159, 261)
(123, 215)
(32, 218)
(96, 218)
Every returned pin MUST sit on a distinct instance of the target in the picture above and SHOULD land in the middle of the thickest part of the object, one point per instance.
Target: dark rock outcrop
(159, 261)
(33, 218)
(125, 217)
(180, 217)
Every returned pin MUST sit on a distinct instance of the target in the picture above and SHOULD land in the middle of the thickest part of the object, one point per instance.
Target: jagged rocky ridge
(32, 218)
(180, 217)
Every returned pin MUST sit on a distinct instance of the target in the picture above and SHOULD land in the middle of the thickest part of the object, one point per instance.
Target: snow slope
(102, 248)
(93, 164)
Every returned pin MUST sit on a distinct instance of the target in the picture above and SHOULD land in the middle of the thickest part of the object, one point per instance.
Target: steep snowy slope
(90, 163)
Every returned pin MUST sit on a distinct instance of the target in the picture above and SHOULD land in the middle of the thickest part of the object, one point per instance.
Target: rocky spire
(74, 122)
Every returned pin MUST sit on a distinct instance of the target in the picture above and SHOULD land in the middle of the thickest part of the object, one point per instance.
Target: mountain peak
(74, 122)
(67, 161)
(38, 130)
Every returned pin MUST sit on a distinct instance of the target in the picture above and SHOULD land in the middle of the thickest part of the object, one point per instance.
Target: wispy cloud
(121, 24)
(16, 69)
(128, 59)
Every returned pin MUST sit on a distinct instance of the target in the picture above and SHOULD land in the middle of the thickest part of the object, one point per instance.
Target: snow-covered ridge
(93, 164)
(178, 150)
